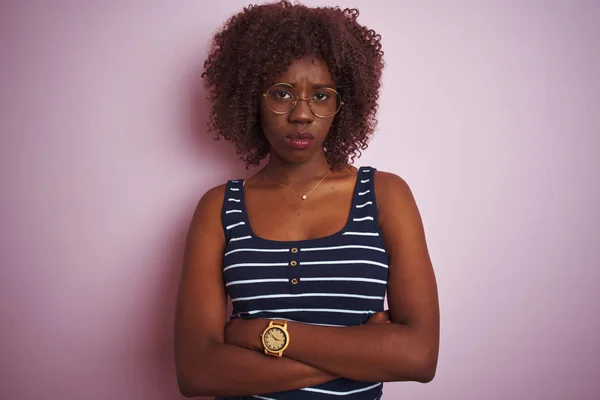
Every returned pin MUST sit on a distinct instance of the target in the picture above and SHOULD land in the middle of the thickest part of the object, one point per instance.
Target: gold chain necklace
(302, 196)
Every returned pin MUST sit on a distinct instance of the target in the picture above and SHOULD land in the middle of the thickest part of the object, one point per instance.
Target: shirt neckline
(304, 241)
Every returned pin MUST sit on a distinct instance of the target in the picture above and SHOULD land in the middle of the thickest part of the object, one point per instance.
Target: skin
(216, 357)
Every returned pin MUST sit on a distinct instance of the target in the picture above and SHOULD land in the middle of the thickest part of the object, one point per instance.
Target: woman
(306, 248)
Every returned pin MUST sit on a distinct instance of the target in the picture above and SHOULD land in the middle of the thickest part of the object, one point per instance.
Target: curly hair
(261, 42)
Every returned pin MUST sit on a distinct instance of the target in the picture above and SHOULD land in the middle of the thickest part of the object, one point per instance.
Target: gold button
(293, 263)
(294, 250)
(294, 281)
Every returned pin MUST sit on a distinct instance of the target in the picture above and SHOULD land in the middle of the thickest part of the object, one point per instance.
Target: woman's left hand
(245, 333)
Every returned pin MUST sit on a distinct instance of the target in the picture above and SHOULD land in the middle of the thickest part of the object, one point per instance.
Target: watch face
(275, 339)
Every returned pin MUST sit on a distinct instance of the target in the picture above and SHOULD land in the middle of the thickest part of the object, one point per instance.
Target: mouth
(300, 140)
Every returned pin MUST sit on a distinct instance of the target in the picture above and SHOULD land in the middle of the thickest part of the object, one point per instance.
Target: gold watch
(275, 338)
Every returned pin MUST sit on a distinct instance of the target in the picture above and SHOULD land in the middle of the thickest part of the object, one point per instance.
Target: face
(274, 339)
(297, 136)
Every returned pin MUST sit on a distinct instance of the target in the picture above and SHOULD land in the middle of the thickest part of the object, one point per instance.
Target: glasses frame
(298, 98)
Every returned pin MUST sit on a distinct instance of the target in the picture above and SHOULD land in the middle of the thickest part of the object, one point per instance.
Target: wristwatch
(275, 338)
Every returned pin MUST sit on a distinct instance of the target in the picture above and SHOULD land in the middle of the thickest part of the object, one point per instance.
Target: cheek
(324, 128)
(271, 123)
(265, 122)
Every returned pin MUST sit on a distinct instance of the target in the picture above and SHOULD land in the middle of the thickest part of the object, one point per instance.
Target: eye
(321, 96)
(283, 94)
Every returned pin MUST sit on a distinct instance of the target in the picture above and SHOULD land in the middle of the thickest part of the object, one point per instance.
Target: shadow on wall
(217, 162)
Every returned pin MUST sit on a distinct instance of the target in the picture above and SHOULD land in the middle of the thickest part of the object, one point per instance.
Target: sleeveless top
(338, 280)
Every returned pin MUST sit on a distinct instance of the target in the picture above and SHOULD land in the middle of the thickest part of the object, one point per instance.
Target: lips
(300, 140)
(300, 135)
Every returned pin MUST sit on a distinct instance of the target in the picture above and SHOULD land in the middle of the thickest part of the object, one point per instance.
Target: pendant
(304, 197)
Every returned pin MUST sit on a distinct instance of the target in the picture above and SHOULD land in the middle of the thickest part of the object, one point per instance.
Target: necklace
(302, 196)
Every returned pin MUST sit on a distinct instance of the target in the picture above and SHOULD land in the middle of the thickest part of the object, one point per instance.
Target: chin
(295, 156)
(292, 155)
(296, 159)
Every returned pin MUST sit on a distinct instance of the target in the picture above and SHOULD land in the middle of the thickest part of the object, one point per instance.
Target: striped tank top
(338, 280)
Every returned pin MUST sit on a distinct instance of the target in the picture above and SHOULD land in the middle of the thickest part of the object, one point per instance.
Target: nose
(301, 112)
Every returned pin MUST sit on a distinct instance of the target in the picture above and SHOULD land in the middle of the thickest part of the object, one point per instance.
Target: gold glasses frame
(298, 98)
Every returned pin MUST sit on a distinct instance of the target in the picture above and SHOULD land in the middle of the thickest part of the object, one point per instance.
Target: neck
(285, 172)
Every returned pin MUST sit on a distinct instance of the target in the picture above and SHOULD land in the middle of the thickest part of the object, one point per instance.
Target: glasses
(281, 98)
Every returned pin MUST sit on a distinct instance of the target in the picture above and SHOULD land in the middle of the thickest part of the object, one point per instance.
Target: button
(293, 263)
(294, 281)
(294, 250)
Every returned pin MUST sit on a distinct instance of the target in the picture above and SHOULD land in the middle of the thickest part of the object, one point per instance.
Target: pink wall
(490, 110)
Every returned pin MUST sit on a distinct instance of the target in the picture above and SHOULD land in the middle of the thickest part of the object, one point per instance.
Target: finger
(377, 318)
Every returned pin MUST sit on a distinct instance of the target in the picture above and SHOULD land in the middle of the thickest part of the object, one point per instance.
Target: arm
(401, 351)
(205, 364)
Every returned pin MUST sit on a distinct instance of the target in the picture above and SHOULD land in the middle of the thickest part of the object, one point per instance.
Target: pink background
(490, 110)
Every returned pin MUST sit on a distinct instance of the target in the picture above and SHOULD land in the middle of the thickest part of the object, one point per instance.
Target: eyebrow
(323, 86)
(315, 86)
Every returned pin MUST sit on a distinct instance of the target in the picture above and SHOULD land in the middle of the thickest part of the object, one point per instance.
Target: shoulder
(398, 215)
(209, 207)
(212, 199)
(391, 189)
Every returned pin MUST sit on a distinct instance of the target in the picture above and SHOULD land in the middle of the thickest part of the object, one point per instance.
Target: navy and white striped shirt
(338, 280)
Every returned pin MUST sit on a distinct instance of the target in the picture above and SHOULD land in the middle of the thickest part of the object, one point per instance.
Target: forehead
(307, 70)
